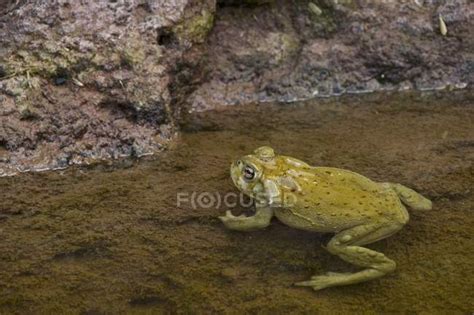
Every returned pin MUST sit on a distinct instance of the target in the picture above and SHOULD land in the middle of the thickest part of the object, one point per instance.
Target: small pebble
(442, 26)
(230, 273)
(314, 9)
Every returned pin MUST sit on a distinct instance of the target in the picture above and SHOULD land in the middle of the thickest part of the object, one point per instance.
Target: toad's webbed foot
(260, 220)
(323, 281)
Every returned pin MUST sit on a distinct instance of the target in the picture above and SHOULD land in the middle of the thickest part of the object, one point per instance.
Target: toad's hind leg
(410, 197)
(346, 245)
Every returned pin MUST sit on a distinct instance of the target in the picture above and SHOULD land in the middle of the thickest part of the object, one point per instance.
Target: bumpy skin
(324, 199)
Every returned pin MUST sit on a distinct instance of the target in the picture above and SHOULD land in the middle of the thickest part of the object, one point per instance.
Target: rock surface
(285, 51)
(88, 80)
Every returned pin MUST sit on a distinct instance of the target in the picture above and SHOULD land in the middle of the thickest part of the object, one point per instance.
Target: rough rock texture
(86, 80)
(285, 51)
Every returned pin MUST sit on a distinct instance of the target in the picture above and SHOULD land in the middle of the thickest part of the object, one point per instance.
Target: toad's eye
(249, 173)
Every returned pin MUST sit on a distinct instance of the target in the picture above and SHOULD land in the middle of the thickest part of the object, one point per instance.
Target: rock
(351, 47)
(230, 274)
(85, 80)
(98, 63)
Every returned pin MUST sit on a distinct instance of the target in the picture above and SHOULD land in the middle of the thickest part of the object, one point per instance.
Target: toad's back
(332, 199)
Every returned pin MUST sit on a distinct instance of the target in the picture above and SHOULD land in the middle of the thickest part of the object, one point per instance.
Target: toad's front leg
(260, 220)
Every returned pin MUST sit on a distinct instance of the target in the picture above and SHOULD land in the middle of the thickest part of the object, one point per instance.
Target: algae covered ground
(113, 239)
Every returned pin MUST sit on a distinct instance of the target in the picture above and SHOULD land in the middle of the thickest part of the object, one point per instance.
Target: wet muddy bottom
(141, 238)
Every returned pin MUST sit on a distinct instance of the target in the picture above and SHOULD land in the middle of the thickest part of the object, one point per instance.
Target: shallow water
(113, 239)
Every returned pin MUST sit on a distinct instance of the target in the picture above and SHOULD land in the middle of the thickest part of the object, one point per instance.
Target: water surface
(113, 239)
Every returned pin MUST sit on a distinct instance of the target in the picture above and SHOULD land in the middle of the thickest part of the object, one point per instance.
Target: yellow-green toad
(323, 199)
